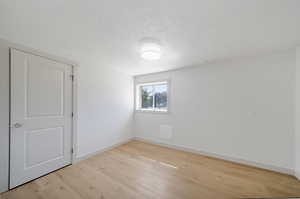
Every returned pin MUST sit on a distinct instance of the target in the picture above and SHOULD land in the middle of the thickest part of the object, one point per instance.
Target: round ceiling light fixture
(150, 49)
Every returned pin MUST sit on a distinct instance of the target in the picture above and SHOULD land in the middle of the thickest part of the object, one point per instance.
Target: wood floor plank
(142, 170)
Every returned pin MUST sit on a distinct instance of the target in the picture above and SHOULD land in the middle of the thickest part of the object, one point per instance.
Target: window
(152, 96)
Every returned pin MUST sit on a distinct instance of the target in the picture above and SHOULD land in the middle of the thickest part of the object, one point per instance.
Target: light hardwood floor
(140, 170)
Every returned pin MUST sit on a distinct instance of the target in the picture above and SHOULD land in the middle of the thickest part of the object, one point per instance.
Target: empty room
(136, 99)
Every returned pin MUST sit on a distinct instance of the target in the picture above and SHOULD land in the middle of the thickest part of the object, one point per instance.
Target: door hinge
(72, 77)
(72, 114)
(72, 150)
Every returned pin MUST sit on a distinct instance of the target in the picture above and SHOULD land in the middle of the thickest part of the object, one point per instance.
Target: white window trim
(136, 97)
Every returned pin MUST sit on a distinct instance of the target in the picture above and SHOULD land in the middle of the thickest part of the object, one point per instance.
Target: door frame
(74, 77)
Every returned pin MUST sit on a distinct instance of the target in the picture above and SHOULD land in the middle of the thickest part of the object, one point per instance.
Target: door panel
(44, 99)
(49, 140)
(41, 116)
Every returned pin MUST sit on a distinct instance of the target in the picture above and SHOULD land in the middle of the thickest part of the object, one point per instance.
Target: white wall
(4, 115)
(105, 106)
(242, 109)
(297, 117)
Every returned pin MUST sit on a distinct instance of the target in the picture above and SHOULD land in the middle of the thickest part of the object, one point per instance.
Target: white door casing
(41, 116)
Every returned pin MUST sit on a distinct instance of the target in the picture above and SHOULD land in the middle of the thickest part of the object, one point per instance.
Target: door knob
(17, 125)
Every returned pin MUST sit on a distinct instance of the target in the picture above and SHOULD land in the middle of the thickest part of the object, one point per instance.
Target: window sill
(151, 111)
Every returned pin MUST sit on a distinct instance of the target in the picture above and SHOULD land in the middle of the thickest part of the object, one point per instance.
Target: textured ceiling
(107, 32)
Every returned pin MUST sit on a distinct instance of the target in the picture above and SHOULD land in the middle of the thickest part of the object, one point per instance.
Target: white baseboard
(88, 155)
(227, 158)
(297, 175)
(188, 149)
(3, 189)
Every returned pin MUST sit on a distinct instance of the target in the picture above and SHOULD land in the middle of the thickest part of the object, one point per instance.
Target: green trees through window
(154, 96)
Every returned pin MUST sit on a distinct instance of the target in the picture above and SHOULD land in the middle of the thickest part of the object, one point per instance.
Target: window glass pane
(161, 98)
(147, 97)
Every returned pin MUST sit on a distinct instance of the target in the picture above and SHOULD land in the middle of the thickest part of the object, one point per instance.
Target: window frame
(137, 96)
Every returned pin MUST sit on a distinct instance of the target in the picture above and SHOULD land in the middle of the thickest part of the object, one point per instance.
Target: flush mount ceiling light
(150, 49)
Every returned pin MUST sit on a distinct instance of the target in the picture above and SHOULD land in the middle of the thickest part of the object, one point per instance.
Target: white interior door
(41, 116)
